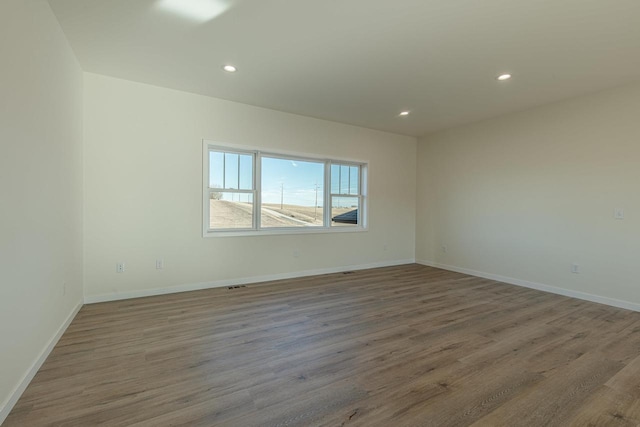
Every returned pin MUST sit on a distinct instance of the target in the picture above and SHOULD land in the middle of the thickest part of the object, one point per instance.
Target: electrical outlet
(444, 249)
(120, 267)
(296, 253)
(618, 213)
(159, 264)
(575, 268)
(64, 288)
(385, 247)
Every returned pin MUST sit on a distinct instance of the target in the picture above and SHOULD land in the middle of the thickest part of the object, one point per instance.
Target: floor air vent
(236, 287)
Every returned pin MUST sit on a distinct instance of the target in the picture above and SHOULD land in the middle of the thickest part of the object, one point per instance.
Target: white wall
(40, 191)
(526, 195)
(143, 191)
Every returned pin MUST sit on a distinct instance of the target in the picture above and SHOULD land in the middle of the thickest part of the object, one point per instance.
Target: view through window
(292, 193)
(251, 191)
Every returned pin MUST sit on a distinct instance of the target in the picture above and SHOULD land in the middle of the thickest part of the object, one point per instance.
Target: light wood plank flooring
(399, 346)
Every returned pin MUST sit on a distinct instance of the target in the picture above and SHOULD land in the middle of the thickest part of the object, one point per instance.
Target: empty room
(319, 213)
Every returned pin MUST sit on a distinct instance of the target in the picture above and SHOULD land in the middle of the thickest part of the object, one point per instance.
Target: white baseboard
(539, 286)
(91, 299)
(10, 402)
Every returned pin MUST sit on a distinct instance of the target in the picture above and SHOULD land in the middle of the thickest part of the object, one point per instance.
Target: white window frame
(257, 155)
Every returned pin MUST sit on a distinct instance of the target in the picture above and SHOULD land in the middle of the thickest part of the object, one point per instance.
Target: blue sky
(297, 180)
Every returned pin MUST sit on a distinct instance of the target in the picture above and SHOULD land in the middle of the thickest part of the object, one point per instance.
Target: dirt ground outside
(226, 214)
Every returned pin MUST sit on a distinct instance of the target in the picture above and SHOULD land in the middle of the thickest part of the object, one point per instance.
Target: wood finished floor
(399, 346)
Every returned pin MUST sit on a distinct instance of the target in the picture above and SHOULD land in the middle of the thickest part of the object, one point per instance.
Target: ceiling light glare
(404, 113)
(503, 77)
(195, 10)
(230, 68)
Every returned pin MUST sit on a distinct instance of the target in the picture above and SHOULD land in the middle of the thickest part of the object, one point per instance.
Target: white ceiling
(363, 61)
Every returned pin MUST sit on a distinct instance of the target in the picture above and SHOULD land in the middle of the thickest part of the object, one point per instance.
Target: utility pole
(315, 207)
(281, 195)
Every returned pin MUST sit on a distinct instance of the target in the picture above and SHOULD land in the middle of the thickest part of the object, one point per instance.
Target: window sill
(284, 231)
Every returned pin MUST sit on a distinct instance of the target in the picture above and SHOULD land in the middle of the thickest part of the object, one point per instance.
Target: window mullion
(222, 190)
(224, 170)
(257, 190)
(362, 203)
(327, 194)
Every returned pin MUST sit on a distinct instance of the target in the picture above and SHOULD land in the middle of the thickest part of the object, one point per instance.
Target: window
(292, 193)
(345, 194)
(231, 190)
(249, 191)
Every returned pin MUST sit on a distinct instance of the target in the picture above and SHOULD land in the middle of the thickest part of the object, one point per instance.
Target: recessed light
(503, 77)
(230, 68)
(405, 113)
